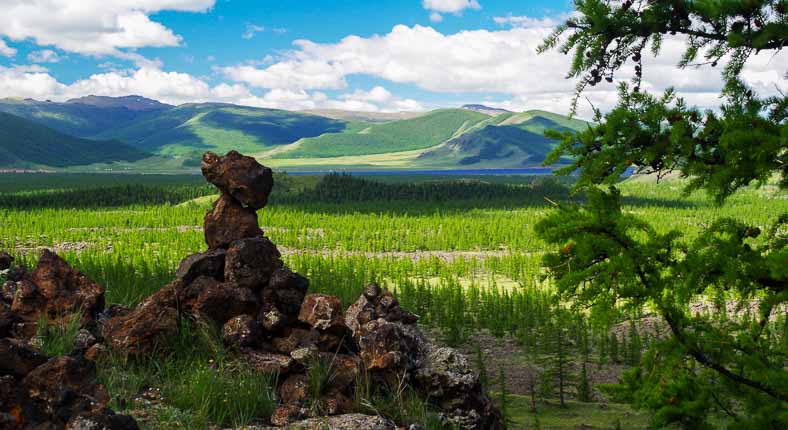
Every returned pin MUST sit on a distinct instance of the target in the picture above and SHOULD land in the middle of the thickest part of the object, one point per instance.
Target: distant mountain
(348, 115)
(87, 116)
(485, 109)
(27, 144)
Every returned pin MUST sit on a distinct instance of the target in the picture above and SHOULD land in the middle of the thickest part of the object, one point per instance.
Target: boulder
(239, 176)
(18, 358)
(285, 292)
(8, 321)
(5, 260)
(228, 221)
(322, 312)
(295, 338)
(217, 301)
(286, 414)
(389, 346)
(345, 422)
(375, 303)
(209, 264)
(250, 263)
(57, 290)
(294, 390)
(84, 339)
(267, 362)
(144, 331)
(242, 331)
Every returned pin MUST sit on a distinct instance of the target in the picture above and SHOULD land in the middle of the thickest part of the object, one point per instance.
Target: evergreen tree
(608, 258)
(584, 387)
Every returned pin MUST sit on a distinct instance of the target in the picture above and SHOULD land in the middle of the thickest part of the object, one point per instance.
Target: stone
(66, 386)
(218, 301)
(344, 422)
(57, 290)
(322, 312)
(7, 292)
(267, 362)
(389, 346)
(228, 221)
(104, 420)
(285, 414)
(8, 320)
(5, 260)
(146, 330)
(84, 339)
(344, 369)
(294, 390)
(250, 263)
(209, 264)
(96, 352)
(338, 404)
(295, 338)
(305, 355)
(375, 303)
(242, 331)
(18, 358)
(286, 290)
(239, 176)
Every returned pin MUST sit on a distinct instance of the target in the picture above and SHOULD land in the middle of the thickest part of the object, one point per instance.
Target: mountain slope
(193, 128)
(87, 116)
(25, 143)
(406, 135)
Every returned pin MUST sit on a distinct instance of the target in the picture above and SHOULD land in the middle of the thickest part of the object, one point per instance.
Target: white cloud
(527, 21)
(93, 27)
(5, 50)
(44, 56)
(251, 30)
(437, 7)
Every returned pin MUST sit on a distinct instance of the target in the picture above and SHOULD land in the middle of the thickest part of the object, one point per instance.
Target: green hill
(27, 144)
(405, 135)
(194, 128)
(85, 117)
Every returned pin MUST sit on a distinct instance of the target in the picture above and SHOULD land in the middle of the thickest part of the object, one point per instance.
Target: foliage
(57, 337)
(609, 259)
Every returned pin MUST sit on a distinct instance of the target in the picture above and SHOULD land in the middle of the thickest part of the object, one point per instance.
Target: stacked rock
(37, 391)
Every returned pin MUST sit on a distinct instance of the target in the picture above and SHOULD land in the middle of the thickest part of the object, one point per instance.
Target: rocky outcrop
(267, 320)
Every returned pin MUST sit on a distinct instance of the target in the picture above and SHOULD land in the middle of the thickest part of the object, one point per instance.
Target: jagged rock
(8, 320)
(17, 358)
(267, 362)
(7, 292)
(241, 331)
(96, 352)
(145, 330)
(16, 408)
(389, 346)
(322, 312)
(345, 422)
(239, 176)
(285, 414)
(5, 260)
(294, 389)
(57, 290)
(376, 303)
(344, 371)
(218, 301)
(250, 262)
(105, 420)
(228, 221)
(448, 380)
(209, 264)
(305, 355)
(295, 338)
(84, 339)
(17, 273)
(282, 299)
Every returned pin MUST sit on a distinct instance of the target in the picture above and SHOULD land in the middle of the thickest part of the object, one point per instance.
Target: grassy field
(463, 255)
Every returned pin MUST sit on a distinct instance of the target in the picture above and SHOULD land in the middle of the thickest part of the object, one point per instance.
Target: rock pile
(37, 391)
(266, 314)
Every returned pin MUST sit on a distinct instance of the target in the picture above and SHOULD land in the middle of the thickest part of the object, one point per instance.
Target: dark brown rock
(286, 414)
(239, 176)
(322, 312)
(103, 420)
(228, 221)
(96, 352)
(57, 290)
(7, 292)
(209, 264)
(389, 346)
(295, 338)
(294, 390)
(84, 339)
(376, 303)
(285, 293)
(242, 331)
(8, 320)
(338, 404)
(18, 358)
(344, 369)
(266, 362)
(5, 260)
(250, 263)
(218, 301)
(144, 331)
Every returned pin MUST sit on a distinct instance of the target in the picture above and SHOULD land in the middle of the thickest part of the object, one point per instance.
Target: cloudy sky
(382, 55)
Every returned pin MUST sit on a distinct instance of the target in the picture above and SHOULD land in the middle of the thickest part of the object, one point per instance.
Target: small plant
(58, 337)
(503, 396)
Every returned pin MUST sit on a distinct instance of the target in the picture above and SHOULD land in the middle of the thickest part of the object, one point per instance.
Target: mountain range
(138, 134)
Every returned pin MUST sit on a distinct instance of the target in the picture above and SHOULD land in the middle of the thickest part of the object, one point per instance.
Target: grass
(551, 416)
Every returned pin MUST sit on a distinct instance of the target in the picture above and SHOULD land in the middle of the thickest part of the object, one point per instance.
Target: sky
(381, 55)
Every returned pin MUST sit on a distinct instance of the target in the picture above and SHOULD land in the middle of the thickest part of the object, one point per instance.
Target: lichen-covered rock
(375, 303)
(239, 176)
(144, 331)
(345, 422)
(17, 358)
(209, 264)
(295, 338)
(217, 301)
(322, 312)
(241, 332)
(294, 389)
(286, 414)
(284, 293)
(228, 221)
(250, 263)
(389, 346)
(84, 339)
(267, 362)
(104, 420)
(65, 290)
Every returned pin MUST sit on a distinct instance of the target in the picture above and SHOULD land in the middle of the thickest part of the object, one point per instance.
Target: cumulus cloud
(5, 50)
(93, 27)
(501, 62)
(438, 7)
(251, 30)
(43, 56)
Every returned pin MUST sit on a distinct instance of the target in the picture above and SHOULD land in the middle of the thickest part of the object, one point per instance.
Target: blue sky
(340, 54)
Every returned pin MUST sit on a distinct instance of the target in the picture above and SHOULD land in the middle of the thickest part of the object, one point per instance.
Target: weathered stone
(228, 221)
(96, 352)
(5, 260)
(338, 404)
(209, 264)
(144, 331)
(389, 346)
(272, 319)
(250, 262)
(65, 387)
(305, 355)
(218, 301)
(84, 339)
(7, 292)
(28, 301)
(286, 290)
(286, 414)
(376, 303)
(104, 420)
(344, 422)
(322, 312)
(344, 369)
(294, 390)
(240, 176)
(267, 362)
(242, 331)
(8, 320)
(295, 338)
(16, 409)
(17, 358)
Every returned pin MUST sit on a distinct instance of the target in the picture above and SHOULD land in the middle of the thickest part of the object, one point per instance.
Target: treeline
(104, 196)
